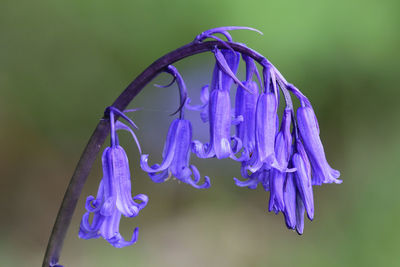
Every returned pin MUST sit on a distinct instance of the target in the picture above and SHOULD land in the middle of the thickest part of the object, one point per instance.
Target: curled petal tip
(207, 182)
(119, 242)
(155, 168)
(250, 183)
(205, 185)
(144, 199)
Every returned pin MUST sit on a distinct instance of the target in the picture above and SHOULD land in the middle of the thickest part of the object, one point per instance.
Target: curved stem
(99, 135)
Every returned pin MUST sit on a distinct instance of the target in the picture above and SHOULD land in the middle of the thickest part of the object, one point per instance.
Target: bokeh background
(63, 62)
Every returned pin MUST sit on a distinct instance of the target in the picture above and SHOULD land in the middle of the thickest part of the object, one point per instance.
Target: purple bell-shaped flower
(114, 194)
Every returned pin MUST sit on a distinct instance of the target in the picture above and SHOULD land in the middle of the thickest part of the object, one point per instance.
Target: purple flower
(266, 127)
(220, 125)
(114, 195)
(283, 150)
(309, 131)
(245, 107)
(303, 178)
(266, 117)
(294, 207)
(219, 108)
(176, 156)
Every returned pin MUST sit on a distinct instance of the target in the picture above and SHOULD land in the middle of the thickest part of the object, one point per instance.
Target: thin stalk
(100, 134)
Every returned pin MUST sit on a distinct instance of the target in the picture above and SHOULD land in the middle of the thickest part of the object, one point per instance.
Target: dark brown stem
(99, 135)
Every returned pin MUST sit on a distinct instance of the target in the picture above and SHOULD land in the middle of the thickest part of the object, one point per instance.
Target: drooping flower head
(114, 194)
(176, 154)
(287, 170)
(287, 160)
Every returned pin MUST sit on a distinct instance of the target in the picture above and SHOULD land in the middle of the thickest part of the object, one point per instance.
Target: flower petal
(265, 132)
(220, 123)
(196, 175)
(159, 177)
(245, 106)
(183, 136)
(168, 152)
(289, 195)
(303, 180)
(299, 215)
(309, 131)
(121, 174)
(119, 242)
(110, 226)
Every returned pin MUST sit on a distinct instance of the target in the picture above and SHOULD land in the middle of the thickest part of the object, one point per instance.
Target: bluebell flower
(303, 178)
(245, 108)
(294, 206)
(176, 154)
(245, 114)
(266, 117)
(176, 157)
(114, 194)
(219, 107)
(309, 131)
(265, 128)
(283, 152)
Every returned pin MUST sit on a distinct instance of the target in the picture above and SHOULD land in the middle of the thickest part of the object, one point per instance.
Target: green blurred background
(63, 62)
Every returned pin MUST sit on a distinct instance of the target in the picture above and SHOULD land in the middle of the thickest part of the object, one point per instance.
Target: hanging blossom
(287, 160)
(176, 154)
(114, 194)
(245, 107)
(222, 144)
(285, 156)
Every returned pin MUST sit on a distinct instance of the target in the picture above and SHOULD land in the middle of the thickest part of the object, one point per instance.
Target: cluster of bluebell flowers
(284, 155)
(282, 151)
